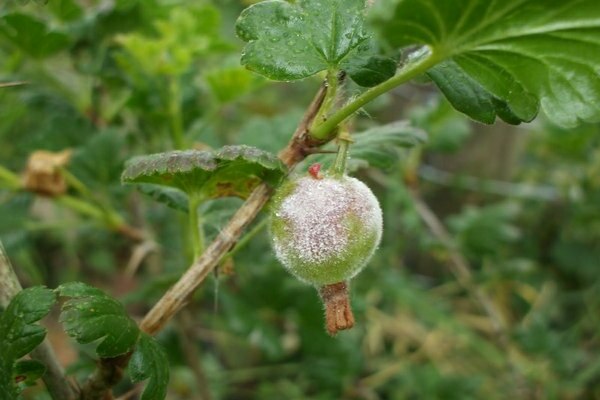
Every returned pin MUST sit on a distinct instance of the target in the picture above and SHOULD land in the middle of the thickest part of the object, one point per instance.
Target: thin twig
(459, 265)
(59, 386)
(11, 84)
(176, 297)
(300, 146)
(500, 188)
(461, 270)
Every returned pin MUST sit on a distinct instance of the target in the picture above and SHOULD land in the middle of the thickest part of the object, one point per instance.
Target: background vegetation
(518, 207)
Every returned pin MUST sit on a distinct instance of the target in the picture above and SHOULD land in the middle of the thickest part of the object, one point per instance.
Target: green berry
(325, 229)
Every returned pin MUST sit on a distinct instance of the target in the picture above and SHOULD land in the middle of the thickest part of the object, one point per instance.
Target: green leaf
(372, 71)
(27, 372)
(527, 54)
(188, 33)
(149, 361)
(379, 146)
(230, 171)
(66, 10)
(19, 334)
(32, 36)
(482, 232)
(90, 315)
(174, 198)
(468, 96)
(231, 83)
(99, 162)
(293, 41)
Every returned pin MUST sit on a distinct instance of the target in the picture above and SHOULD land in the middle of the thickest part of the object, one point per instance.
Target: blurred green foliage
(116, 79)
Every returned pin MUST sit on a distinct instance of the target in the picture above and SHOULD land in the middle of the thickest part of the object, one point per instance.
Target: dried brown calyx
(42, 174)
(338, 312)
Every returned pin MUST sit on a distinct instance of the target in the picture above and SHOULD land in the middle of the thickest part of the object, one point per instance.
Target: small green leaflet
(172, 197)
(522, 55)
(468, 96)
(289, 41)
(229, 171)
(90, 314)
(19, 335)
(149, 361)
(379, 147)
(32, 36)
(27, 372)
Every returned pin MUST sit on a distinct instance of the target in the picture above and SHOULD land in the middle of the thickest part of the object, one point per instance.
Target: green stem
(330, 96)
(75, 183)
(339, 166)
(196, 229)
(11, 179)
(411, 70)
(175, 113)
(112, 217)
(81, 206)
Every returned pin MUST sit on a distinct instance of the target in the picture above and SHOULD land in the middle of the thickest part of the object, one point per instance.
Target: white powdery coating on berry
(317, 213)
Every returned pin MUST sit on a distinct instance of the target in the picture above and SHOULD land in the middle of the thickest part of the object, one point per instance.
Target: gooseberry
(325, 228)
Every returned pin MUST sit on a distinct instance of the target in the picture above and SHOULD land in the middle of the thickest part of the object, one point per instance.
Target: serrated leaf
(528, 54)
(174, 198)
(149, 361)
(230, 171)
(18, 333)
(371, 71)
(468, 96)
(31, 35)
(379, 146)
(99, 161)
(90, 314)
(288, 41)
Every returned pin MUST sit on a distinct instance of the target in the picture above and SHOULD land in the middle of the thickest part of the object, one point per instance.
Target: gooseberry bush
(168, 86)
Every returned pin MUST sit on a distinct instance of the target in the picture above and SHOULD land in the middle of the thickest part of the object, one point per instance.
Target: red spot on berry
(315, 171)
(20, 378)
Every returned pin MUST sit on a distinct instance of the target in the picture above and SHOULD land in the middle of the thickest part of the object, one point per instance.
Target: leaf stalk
(412, 69)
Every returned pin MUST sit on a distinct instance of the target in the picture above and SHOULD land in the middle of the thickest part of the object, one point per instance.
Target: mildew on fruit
(325, 230)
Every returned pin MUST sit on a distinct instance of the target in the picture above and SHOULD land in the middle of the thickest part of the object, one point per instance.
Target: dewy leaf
(525, 53)
(90, 314)
(31, 35)
(468, 96)
(229, 171)
(288, 41)
(19, 334)
(378, 147)
(149, 361)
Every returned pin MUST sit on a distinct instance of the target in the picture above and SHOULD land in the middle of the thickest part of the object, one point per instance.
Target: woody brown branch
(176, 297)
(299, 147)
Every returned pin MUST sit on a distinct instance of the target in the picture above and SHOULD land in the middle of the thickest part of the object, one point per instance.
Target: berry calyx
(315, 171)
(338, 313)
